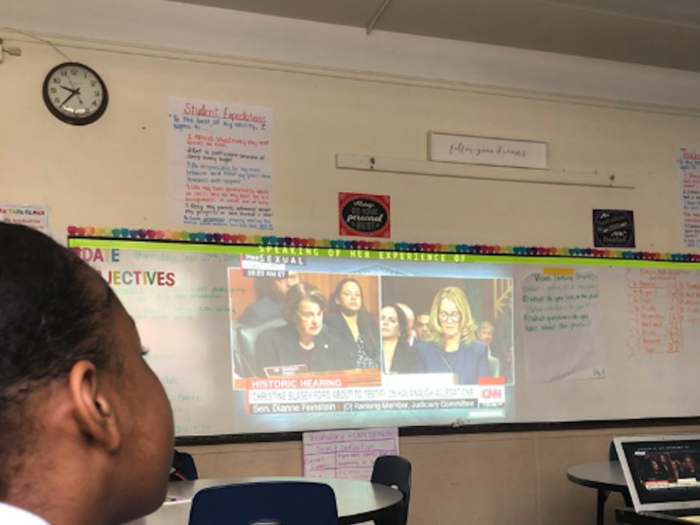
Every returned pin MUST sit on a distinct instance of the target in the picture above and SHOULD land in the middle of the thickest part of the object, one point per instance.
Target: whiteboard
(591, 339)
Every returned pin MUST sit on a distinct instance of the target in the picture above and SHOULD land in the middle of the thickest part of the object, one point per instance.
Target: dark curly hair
(402, 320)
(54, 312)
(366, 323)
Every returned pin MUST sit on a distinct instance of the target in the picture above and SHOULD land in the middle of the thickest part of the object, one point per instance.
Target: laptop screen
(664, 470)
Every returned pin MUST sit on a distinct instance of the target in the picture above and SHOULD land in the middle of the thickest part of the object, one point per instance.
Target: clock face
(75, 94)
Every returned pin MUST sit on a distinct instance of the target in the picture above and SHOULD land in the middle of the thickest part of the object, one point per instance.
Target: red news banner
(350, 391)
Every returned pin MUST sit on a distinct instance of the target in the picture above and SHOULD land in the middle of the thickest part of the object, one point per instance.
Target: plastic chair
(394, 471)
(247, 335)
(183, 468)
(285, 502)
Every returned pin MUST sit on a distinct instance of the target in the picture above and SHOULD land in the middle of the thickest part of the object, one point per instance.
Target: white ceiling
(663, 33)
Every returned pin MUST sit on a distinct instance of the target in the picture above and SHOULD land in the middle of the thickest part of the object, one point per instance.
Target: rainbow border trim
(302, 242)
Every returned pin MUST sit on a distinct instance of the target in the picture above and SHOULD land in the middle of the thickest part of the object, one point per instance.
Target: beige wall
(114, 173)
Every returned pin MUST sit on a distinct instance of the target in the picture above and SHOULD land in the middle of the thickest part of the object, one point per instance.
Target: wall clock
(75, 94)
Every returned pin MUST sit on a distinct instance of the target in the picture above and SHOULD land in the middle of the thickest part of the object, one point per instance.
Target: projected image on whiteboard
(325, 342)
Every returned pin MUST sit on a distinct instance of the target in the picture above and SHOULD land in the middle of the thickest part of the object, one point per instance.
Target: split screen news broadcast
(663, 471)
(255, 339)
(385, 341)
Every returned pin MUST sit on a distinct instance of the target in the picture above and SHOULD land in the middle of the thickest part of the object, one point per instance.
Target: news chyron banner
(295, 396)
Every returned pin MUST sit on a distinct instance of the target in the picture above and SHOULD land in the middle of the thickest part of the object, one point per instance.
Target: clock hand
(73, 93)
(68, 89)
(71, 82)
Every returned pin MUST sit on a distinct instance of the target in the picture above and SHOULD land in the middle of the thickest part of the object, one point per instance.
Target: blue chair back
(612, 452)
(285, 502)
(394, 471)
(183, 468)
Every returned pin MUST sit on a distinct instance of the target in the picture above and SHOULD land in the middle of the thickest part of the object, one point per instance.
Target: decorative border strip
(301, 242)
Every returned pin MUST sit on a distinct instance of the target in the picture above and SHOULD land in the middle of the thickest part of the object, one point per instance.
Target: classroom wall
(279, 41)
(114, 173)
(504, 478)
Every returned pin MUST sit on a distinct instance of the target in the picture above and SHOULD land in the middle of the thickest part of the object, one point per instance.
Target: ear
(93, 410)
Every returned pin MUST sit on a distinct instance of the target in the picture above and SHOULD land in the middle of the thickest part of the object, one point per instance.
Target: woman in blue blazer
(453, 347)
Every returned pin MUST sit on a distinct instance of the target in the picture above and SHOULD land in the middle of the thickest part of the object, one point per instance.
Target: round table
(606, 477)
(357, 501)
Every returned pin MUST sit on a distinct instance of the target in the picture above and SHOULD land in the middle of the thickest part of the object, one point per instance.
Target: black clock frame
(75, 121)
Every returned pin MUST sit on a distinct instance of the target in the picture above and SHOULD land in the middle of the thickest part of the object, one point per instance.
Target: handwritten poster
(561, 320)
(688, 161)
(347, 454)
(220, 163)
(663, 305)
(36, 217)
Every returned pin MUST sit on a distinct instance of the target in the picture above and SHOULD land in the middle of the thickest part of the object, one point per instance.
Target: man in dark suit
(270, 292)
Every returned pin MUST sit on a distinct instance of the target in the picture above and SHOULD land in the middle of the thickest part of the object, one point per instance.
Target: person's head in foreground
(87, 430)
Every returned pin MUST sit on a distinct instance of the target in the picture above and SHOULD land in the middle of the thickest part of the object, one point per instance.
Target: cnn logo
(492, 393)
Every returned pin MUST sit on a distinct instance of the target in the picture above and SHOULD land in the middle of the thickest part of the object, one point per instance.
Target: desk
(606, 477)
(357, 501)
(630, 517)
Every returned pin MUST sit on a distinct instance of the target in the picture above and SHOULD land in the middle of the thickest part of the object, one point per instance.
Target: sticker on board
(613, 229)
(362, 215)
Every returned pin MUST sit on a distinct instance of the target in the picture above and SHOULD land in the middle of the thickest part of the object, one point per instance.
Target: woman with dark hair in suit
(689, 468)
(399, 357)
(303, 340)
(653, 472)
(350, 321)
(666, 466)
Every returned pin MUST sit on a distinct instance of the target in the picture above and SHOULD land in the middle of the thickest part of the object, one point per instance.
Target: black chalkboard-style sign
(364, 215)
(613, 228)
